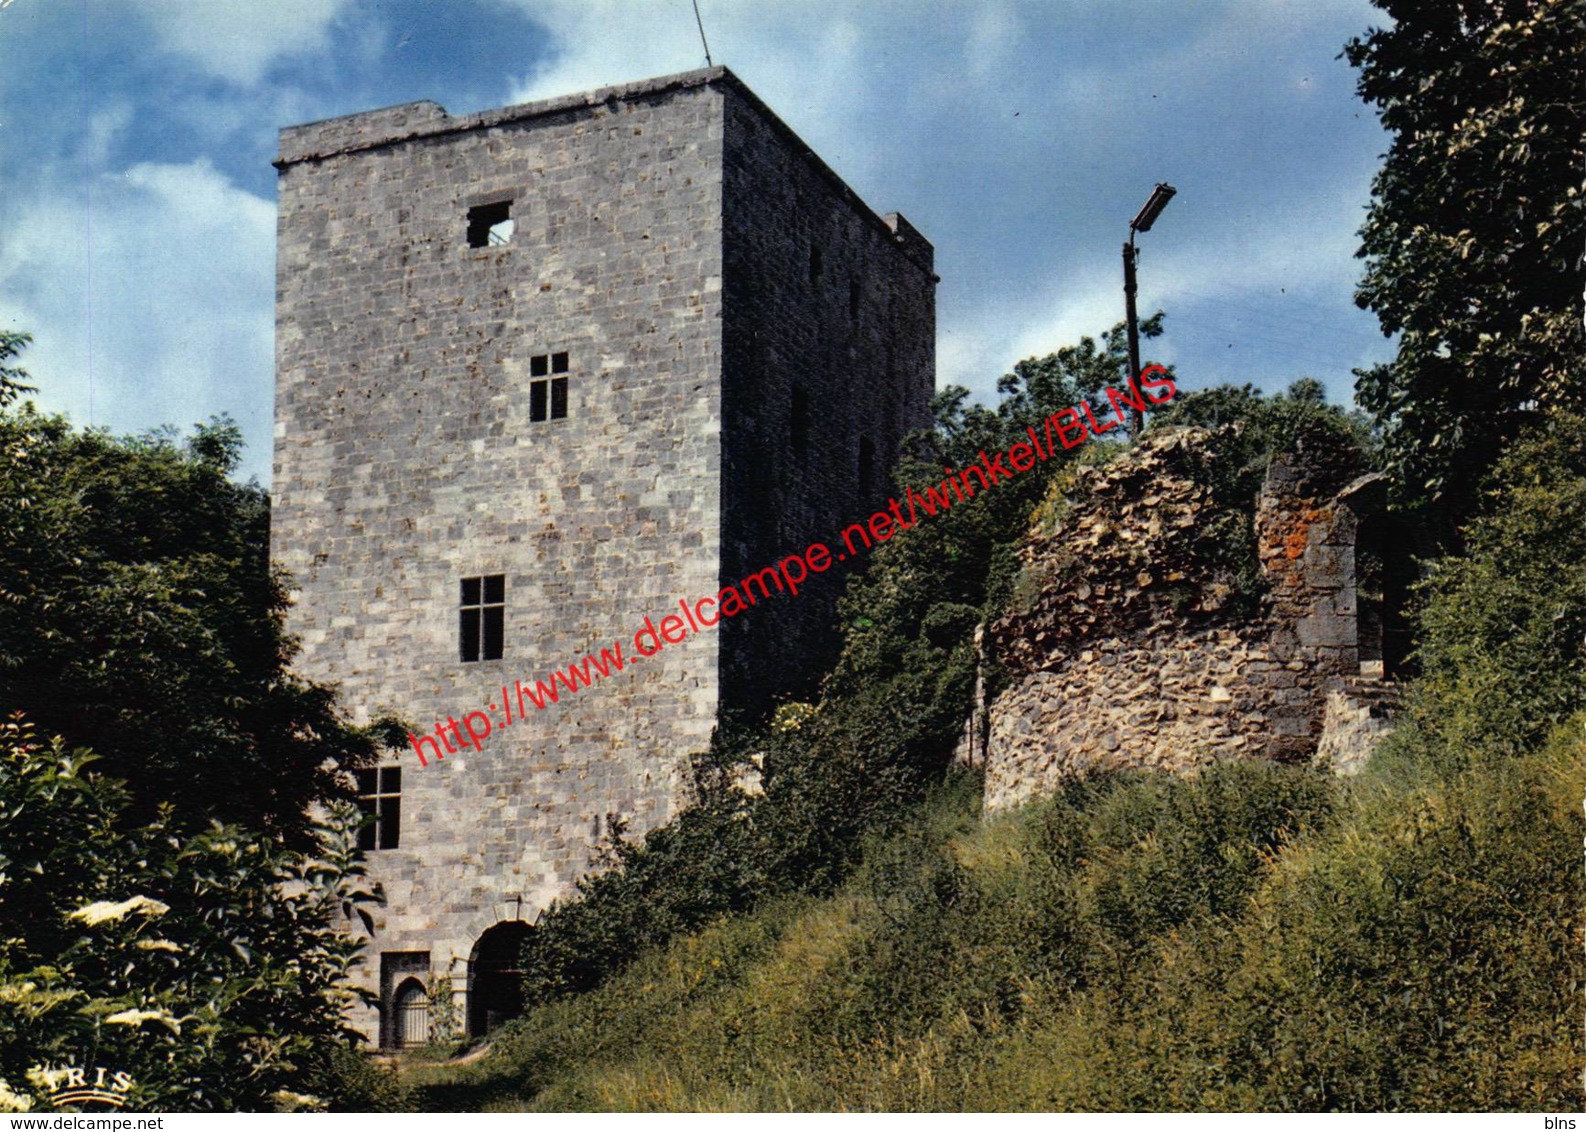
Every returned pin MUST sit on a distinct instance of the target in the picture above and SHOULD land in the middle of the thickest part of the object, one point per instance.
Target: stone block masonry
(593, 352)
(794, 570)
(1128, 657)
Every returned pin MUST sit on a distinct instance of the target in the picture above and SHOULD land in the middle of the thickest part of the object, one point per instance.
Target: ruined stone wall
(1306, 539)
(1358, 716)
(829, 315)
(1172, 704)
(1185, 682)
(406, 460)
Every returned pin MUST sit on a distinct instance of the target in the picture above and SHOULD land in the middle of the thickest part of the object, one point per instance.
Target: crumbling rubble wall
(1137, 652)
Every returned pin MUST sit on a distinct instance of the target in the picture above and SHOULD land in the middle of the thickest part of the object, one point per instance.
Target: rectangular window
(548, 397)
(490, 225)
(481, 618)
(380, 798)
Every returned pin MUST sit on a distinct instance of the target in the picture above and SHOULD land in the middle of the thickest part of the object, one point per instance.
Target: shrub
(1503, 635)
(211, 967)
(140, 617)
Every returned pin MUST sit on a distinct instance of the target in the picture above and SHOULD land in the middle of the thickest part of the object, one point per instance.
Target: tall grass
(1258, 938)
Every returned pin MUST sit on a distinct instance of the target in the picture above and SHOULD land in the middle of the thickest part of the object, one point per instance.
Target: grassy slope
(1258, 938)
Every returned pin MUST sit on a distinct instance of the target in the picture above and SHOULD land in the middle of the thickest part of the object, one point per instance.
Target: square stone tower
(542, 372)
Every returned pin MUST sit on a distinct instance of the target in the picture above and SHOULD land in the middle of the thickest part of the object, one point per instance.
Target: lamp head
(1153, 208)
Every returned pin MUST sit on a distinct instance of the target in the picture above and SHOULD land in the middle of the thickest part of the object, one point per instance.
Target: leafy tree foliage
(139, 616)
(1272, 424)
(1503, 634)
(11, 377)
(1474, 238)
(209, 966)
(1036, 388)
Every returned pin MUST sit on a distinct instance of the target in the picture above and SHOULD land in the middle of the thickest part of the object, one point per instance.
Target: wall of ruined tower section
(1306, 542)
(1178, 700)
(405, 460)
(1166, 705)
(858, 338)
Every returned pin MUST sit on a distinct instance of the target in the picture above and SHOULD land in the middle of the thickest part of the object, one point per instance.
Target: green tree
(1038, 387)
(11, 377)
(140, 617)
(210, 966)
(1474, 237)
(1503, 635)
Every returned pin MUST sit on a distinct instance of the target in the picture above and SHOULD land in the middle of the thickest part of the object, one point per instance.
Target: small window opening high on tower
(490, 225)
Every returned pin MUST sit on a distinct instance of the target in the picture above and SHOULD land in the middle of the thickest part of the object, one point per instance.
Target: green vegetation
(1259, 937)
(883, 730)
(1473, 241)
(140, 617)
(851, 767)
(1256, 939)
(1281, 422)
(170, 901)
(1504, 647)
(211, 967)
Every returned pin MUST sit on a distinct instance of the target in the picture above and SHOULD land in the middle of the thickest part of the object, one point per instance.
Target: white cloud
(822, 67)
(149, 295)
(240, 42)
(1018, 135)
(104, 127)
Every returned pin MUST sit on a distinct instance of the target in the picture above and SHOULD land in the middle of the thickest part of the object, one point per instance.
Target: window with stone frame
(547, 391)
(380, 799)
(481, 618)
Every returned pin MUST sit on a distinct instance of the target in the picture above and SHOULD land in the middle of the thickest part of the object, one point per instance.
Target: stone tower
(541, 372)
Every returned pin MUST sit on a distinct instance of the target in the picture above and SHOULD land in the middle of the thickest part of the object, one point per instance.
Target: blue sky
(137, 199)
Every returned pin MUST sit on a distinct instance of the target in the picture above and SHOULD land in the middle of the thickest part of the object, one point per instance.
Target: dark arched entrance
(495, 977)
(412, 1008)
(1383, 572)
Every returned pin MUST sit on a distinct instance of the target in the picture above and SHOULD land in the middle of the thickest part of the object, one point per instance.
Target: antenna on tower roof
(708, 61)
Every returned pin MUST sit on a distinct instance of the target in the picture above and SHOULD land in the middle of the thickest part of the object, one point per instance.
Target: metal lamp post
(1141, 223)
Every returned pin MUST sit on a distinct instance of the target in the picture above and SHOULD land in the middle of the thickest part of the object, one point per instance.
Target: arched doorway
(412, 1014)
(1383, 572)
(495, 977)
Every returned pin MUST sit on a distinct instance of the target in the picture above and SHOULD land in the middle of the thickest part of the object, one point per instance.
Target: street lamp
(1141, 223)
